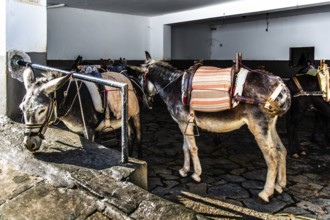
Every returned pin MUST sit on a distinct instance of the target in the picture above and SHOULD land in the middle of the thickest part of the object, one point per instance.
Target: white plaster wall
(22, 27)
(256, 44)
(95, 35)
(191, 42)
(26, 26)
(2, 28)
(224, 9)
(3, 85)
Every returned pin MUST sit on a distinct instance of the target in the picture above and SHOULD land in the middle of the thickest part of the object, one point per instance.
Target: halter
(52, 113)
(40, 133)
(146, 72)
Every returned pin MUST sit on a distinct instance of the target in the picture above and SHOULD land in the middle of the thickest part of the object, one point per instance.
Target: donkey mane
(263, 71)
(167, 70)
(46, 77)
(166, 66)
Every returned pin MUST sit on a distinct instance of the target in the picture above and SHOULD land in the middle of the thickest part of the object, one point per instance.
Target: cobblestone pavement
(234, 171)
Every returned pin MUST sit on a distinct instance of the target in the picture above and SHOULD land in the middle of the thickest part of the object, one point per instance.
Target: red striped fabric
(211, 87)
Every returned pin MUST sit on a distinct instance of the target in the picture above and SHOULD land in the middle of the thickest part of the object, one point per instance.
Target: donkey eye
(41, 111)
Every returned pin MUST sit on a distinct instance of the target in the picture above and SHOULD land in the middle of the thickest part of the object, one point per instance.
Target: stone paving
(234, 171)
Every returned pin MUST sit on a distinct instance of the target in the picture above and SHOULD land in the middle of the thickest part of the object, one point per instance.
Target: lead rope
(74, 99)
(81, 109)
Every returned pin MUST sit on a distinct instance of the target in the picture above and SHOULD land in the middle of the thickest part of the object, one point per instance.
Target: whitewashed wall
(3, 94)
(191, 42)
(26, 26)
(95, 35)
(159, 49)
(257, 44)
(23, 26)
(2, 28)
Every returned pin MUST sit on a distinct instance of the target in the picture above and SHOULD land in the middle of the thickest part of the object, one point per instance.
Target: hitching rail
(124, 97)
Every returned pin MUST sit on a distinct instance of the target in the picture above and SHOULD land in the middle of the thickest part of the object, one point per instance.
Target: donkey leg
(189, 143)
(186, 164)
(282, 153)
(263, 137)
(130, 140)
(138, 134)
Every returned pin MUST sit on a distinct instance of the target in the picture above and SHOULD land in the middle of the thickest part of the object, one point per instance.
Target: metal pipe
(56, 6)
(124, 94)
(124, 128)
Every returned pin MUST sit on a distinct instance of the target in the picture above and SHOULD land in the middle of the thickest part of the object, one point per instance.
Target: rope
(81, 109)
(74, 99)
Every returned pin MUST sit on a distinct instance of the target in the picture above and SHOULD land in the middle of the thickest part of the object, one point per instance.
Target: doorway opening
(300, 56)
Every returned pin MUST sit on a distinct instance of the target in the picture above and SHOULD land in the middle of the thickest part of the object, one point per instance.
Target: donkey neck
(68, 100)
(167, 84)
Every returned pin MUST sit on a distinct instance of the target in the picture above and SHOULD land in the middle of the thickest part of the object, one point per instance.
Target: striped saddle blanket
(211, 88)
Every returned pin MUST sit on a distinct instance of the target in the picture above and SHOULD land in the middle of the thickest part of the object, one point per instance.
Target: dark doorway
(299, 56)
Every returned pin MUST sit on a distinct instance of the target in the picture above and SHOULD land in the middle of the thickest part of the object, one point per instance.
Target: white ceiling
(137, 7)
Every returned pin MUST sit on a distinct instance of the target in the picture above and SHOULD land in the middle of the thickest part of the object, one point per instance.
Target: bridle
(145, 81)
(51, 113)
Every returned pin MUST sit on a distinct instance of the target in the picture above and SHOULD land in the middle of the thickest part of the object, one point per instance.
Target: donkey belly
(219, 124)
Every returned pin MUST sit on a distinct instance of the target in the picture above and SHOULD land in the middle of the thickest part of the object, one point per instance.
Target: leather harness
(301, 90)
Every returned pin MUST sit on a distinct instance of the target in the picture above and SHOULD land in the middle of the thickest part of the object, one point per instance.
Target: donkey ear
(28, 77)
(54, 84)
(148, 57)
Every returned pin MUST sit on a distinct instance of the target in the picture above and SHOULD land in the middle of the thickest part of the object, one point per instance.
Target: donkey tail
(279, 101)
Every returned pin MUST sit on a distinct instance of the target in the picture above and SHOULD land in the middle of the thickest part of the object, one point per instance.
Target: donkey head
(137, 76)
(38, 106)
(149, 87)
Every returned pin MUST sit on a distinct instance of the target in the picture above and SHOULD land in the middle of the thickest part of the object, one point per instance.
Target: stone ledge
(74, 178)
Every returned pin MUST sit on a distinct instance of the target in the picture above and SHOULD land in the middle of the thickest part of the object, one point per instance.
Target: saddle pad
(114, 95)
(210, 89)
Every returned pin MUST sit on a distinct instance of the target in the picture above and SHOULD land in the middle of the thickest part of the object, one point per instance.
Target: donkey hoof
(183, 173)
(295, 155)
(278, 189)
(196, 177)
(263, 197)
